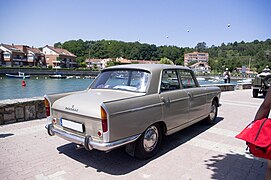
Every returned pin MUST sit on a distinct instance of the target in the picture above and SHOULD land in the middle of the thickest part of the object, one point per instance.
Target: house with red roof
(20, 55)
(35, 57)
(59, 58)
(12, 56)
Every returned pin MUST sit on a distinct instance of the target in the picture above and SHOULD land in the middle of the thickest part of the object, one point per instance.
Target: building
(201, 67)
(96, 63)
(20, 55)
(59, 58)
(195, 57)
(102, 63)
(123, 61)
(12, 56)
(35, 57)
(144, 62)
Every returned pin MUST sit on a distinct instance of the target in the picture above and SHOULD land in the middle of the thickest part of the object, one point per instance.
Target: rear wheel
(255, 93)
(149, 142)
(213, 113)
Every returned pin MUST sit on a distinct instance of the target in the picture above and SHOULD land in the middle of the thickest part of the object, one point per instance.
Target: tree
(165, 61)
(58, 45)
(232, 55)
(201, 47)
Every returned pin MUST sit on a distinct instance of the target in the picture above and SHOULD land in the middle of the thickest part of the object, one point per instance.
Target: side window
(169, 80)
(187, 79)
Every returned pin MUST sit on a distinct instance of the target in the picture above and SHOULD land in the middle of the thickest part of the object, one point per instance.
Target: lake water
(38, 86)
(11, 88)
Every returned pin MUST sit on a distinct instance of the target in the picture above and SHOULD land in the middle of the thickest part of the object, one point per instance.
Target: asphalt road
(197, 152)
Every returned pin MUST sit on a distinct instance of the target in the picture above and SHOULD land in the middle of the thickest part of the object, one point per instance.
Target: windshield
(130, 80)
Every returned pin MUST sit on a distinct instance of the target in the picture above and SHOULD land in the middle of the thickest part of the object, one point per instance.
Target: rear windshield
(129, 80)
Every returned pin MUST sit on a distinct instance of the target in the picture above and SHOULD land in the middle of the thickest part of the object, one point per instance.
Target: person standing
(227, 76)
(263, 112)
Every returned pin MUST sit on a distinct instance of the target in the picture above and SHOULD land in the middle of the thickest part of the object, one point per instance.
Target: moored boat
(19, 75)
(57, 76)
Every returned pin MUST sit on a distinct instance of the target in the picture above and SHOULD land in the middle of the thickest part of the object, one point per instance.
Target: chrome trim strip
(137, 109)
(102, 146)
(200, 95)
(180, 99)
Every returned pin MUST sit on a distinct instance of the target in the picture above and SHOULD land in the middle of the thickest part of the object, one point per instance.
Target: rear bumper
(87, 141)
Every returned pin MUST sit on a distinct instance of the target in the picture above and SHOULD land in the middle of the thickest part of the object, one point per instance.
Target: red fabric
(258, 137)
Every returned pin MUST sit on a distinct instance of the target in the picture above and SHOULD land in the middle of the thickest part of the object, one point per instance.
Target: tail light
(104, 120)
(47, 107)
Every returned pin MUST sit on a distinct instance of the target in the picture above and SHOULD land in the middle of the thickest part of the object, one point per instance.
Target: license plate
(72, 125)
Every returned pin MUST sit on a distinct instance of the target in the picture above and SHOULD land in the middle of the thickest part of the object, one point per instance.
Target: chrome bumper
(87, 141)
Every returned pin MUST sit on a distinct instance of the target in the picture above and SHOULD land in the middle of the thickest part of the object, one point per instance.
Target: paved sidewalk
(198, 152)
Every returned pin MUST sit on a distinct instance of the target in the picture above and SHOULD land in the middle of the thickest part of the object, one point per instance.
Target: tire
(264, 93)
(255, 93)
(267, 81)
(149, 142)
(213, 113)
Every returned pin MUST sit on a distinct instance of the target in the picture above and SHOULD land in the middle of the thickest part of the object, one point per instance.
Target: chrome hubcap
(213, 112)
(150, 138)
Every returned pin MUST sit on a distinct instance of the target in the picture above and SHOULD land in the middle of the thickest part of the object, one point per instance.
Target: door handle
(166, 101)
(190, 95)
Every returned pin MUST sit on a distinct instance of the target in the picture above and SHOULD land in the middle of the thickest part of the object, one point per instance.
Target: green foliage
(110, 63)
(201, 47)
(58, 45)
(231, 55)
(165, 61)
(83, 64)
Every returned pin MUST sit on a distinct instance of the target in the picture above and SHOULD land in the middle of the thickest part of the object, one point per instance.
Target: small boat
(69, 77)
(57, 76)
(20, 75)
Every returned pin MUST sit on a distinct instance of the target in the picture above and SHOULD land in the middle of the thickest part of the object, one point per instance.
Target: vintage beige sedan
(132, 105)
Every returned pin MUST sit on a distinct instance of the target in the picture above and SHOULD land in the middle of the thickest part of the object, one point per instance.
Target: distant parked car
(261, 83)
(132, 106)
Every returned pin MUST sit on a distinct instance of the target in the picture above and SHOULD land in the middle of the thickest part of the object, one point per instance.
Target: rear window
(129, 80)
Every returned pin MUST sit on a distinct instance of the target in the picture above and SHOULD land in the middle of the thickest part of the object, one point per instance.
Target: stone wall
(18, 110)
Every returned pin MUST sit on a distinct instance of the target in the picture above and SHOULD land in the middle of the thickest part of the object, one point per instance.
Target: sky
(182, 23)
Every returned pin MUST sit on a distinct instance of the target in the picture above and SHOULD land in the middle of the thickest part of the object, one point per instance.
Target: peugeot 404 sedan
(132, 106)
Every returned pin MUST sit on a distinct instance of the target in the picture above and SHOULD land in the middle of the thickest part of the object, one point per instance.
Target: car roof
(147, 67)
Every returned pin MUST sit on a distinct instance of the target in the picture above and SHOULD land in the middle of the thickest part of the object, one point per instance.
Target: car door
(174, 99)
(197, 95)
